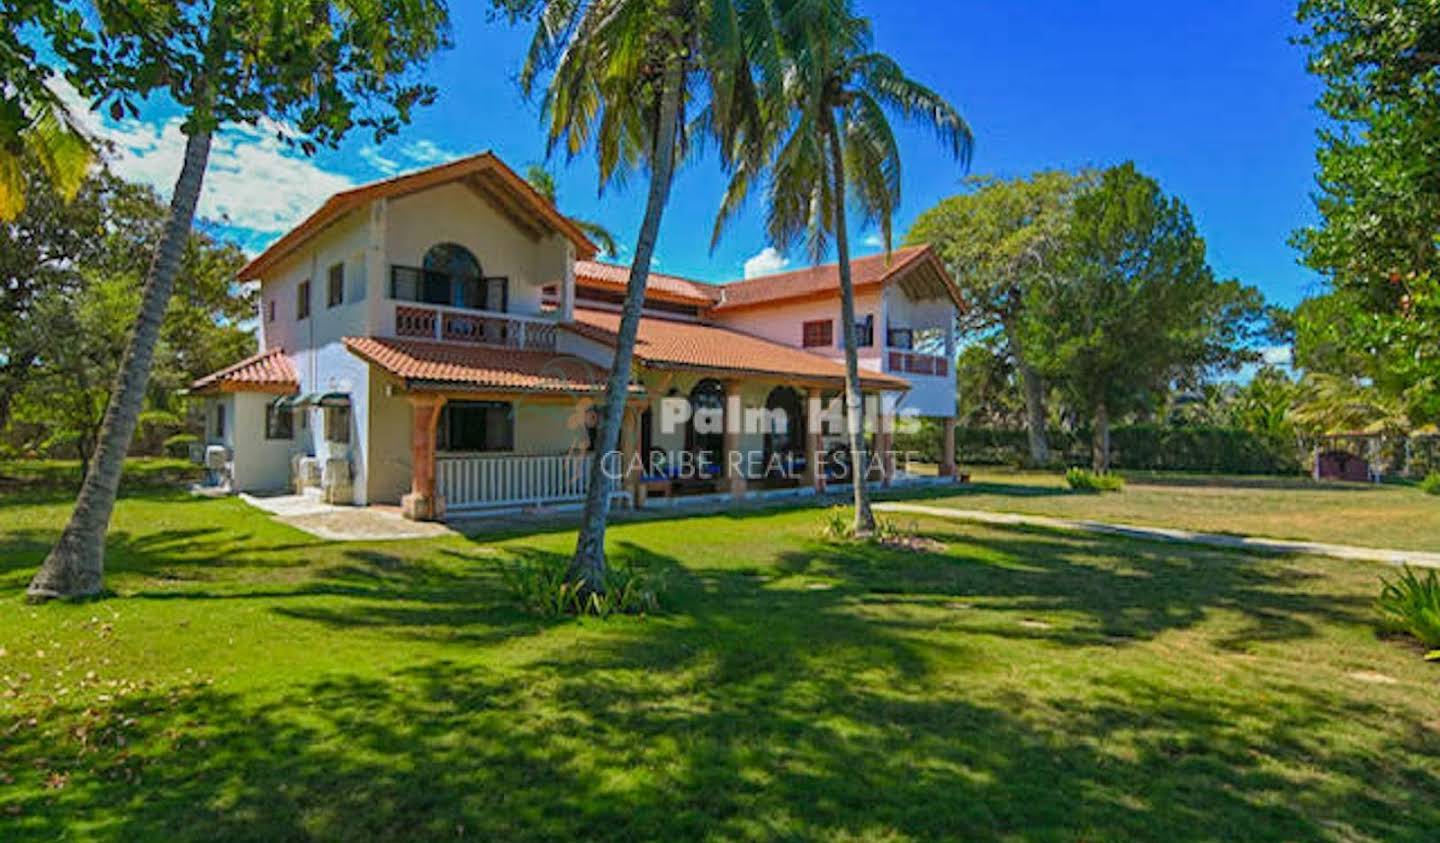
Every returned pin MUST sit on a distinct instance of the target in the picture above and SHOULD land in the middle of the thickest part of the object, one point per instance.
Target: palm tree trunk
(1100, 440)
(854, 406)
(587, 567)
(75, 566)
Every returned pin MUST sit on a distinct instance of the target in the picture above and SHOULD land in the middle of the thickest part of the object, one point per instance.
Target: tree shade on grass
(253, 683)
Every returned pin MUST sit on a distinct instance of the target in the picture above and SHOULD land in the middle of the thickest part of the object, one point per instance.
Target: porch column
(423, 503)
(735, 479)
(947, 449)
(814, 473)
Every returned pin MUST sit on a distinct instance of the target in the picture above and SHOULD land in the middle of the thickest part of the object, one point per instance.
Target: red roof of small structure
(270, 371)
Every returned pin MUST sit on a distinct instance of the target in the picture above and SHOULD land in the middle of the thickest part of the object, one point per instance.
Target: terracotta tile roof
(503, 182)
(664, 343)
(269, 371)
(823, 280)
(613, 277)
(437, 364)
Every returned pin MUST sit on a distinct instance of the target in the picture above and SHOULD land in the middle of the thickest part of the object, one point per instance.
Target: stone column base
(418, 507)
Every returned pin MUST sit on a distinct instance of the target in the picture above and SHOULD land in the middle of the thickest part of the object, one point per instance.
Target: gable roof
(270, 371)
(486, 174)
(916, 268)
(670, 344)
(436, 365)
(659, 286)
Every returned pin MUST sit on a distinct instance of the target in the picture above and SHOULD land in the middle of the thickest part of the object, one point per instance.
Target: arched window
(706, 433)
(787, 438)
(450, 275)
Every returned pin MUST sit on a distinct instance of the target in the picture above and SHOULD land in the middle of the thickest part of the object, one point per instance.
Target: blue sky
(1210, 98)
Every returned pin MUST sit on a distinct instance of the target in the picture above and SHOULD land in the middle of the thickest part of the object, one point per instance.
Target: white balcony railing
(479, 327)
(488, 481)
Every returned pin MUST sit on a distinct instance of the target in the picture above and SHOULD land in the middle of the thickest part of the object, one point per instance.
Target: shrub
(1431, 484)
(1411, 604)
(1084, 480)
(178, 446)
(540, 587)
(837, 524)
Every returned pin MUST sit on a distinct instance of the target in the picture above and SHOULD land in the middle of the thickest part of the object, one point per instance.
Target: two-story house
(437, 340)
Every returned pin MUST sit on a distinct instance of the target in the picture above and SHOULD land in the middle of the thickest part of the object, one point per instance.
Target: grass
(248, 682)
(1398, 516)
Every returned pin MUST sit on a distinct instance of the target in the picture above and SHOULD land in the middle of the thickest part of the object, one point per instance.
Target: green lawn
(249, 682)
(1398, 516)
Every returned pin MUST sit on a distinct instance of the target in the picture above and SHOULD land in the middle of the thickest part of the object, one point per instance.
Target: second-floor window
(302, 301)
(902, 338)
(335, 286)
(865, 331)
(270, 311)
(818, 334)
(450, 276)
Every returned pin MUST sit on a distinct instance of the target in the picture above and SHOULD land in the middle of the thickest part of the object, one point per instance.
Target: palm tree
(623, 75)
(544, 183)
(828, 135)
(43, 134)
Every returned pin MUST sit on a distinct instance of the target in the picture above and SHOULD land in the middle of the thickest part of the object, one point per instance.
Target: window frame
(825, 328)
(302, 301)
(337, 424)
(335, 285)
(273, 414)
(220, 420)
(446, 426)
(865, 332)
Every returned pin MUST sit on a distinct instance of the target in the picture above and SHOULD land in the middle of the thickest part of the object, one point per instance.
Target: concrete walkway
(343, 523)
(1415, 558)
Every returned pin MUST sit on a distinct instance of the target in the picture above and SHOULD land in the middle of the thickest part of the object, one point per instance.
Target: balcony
(476, 327)
(900, 361)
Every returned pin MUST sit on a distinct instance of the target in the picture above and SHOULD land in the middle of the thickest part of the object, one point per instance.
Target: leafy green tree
(544, 183)
(998, 240)
(986, 392)
(641, 80)
(1133, 307)
(827, 143)
(1379, 196)
(319, 69)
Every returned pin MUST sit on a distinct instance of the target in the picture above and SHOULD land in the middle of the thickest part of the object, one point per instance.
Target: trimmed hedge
(1218, 450)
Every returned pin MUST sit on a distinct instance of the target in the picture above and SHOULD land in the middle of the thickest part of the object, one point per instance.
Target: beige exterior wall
(783, 323)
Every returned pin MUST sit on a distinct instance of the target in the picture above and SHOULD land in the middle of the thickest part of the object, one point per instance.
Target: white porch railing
(490, 481)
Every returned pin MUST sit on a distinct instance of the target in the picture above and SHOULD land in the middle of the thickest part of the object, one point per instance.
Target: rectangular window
(865, 331)
(302, 300)
(279, 422)
(477, 426)
(337, 425)
(819, 334)
(335, 287)
(219, 421)
(270, 311)
(902, 338)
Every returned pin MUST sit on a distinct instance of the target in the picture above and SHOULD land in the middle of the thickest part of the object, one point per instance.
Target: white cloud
(768, 262)
(1278, 355)
(253, 183)
(391, 160)
(873, 241)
